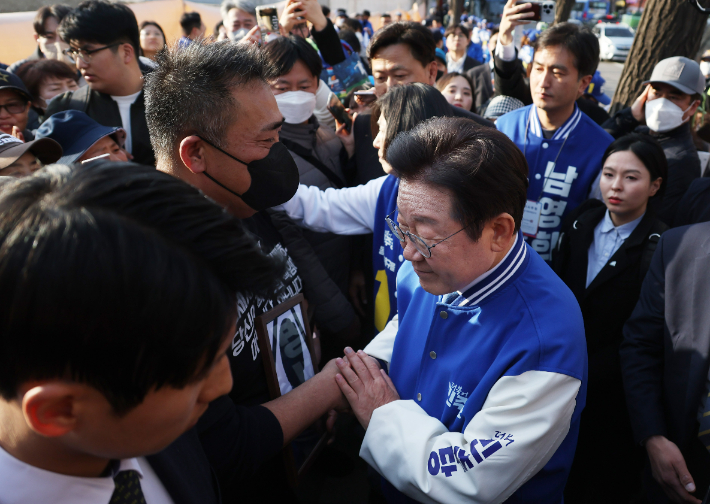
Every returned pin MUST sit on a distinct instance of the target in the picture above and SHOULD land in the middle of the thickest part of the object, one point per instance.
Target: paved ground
(611, 72)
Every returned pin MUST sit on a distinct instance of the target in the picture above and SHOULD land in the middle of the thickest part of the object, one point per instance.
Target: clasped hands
(364, 384)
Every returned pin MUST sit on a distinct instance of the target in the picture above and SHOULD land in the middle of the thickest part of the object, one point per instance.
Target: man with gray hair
(239, 16)
(214, 123)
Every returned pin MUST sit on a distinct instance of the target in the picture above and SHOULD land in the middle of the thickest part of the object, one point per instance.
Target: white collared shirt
(21, 483)
(453, 65)
(607, 240)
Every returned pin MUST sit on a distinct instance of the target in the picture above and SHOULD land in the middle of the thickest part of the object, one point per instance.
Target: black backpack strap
(647, 254)
(80, 99)
(305, 154)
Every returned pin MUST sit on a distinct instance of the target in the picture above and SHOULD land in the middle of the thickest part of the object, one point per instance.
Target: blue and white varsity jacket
(580, 143)
(492, 385)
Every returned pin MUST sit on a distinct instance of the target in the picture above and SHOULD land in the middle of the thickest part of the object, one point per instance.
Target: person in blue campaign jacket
(362, 209)
(487, 358)
(562, 145)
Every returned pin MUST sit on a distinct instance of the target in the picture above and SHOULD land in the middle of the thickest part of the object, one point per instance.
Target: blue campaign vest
(387, 254)
(567, 182)
(527, 321)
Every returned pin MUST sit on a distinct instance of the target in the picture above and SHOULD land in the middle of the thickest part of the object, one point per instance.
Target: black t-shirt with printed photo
(250, 386)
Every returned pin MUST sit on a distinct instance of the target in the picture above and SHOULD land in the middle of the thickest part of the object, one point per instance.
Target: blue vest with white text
(578, 145)
(386, 254)
(520, 318)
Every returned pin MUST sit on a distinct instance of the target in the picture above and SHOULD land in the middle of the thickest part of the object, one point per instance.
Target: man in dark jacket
(45, 24)
(104, 42)
(670, 99)
(665, 358)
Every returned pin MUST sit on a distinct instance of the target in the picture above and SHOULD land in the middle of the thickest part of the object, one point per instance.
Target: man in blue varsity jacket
(562, 145)
(487, 359)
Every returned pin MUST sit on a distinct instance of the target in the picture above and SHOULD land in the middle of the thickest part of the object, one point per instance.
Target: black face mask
(439, 74)
(274, 179)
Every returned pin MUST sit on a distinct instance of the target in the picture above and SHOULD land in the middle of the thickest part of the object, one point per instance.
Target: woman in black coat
(602, 255)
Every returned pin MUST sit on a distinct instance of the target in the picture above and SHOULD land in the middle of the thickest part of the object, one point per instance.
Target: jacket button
(443, 314)
(419, 397)
(432, 354)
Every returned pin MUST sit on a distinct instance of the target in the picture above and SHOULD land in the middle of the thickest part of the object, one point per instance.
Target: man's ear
(49, 408)
(431, 69)
(129, 53)
(503, 227)
(583, 84)
(692, 109)
(192, 154)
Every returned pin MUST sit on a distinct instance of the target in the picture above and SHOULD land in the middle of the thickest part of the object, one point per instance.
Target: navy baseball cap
(76, 132)
(12, 81)
(596, 89)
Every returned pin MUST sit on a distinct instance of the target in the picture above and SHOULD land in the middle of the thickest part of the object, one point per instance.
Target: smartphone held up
(542, 11)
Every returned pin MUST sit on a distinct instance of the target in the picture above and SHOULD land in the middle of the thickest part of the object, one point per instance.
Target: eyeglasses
(417, 241)
(14, 107)
(85, 54)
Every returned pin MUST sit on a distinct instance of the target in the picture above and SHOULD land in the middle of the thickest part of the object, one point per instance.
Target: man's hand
(365, 385)
(290, 17)
(638, 109)
(511, 18)
(17, 133)
(669, 469)
(314, 14)
(348, 139)
(253, 36)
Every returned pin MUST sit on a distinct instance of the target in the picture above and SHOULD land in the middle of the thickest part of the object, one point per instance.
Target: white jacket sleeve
(381, 345)
(522, 423)
(346, 211)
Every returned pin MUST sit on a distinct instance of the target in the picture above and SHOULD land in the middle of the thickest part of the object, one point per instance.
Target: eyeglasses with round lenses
(86, 54)
(417, 241)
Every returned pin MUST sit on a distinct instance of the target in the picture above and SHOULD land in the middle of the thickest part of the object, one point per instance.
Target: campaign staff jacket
(561, 186)
(492, 385)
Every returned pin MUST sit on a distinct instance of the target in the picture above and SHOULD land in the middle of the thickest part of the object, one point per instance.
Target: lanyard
(525, 148)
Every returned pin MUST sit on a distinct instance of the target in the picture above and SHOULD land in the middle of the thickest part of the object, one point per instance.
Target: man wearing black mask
(214, 123)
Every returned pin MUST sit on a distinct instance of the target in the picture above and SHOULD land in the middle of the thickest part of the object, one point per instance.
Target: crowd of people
(504, 281)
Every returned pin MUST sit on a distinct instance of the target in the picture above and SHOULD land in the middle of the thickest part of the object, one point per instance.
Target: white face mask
(705, 67)
(664, 115)
(296, 106)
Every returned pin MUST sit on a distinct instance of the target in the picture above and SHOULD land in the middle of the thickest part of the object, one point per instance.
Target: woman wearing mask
(152, 39)
(603, 256)
(457, 89)
(362, 209)
(47, 78)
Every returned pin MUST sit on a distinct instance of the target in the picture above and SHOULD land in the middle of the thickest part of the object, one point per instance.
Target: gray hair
(245, 5)
(190, 93)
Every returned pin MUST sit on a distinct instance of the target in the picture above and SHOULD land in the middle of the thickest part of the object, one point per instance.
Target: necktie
(128, 489)
(704, 433)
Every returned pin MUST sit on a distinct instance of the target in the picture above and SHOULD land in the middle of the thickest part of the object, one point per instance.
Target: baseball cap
(501, 105)
(12, 81)
(680, 72)
(76, 132)
(11, 149)
(596, 89)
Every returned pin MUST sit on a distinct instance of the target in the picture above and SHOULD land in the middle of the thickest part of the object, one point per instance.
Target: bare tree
(667, 28)
(563, 10)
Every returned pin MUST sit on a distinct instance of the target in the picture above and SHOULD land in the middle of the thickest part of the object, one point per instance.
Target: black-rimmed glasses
(14, 107)
(417, 241)
(85, 54)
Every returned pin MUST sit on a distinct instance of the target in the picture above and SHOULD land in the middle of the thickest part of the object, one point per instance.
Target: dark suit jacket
(227, 446)
(664, 355)
(482, 85)
(694, 207)
(470, 63)
(102, 109)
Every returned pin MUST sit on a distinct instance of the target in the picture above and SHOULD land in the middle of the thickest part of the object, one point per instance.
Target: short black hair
(349, 36)
(406, 106)
(352, 24)
(326, 10)
(57, 11)
(366, 13)
(118, 276)
(386, 14)
(579, 41)
(649, 152)
(190, 21)
(283, 52)
(417, 37)
(482, 169)
(102, 22)
(452, 28)
(190, 92)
